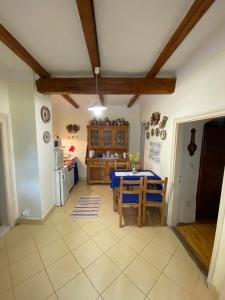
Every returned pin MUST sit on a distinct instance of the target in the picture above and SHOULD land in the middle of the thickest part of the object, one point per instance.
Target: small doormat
(87, 207)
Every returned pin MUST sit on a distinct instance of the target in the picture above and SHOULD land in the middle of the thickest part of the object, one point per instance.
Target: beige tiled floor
(70, 259)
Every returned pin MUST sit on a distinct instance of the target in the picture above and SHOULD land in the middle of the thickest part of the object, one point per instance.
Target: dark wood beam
(71, 101)
(87, 17)
(195, 13)
(18, 49)
(106, 85)
(7, 39)
(101, 97)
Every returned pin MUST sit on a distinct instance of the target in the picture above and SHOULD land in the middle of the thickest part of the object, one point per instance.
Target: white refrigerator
(61, 179)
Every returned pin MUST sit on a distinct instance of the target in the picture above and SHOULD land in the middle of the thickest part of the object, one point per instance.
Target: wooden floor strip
(199, 237)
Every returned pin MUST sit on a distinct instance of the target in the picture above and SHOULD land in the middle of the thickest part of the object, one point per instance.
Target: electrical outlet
(25, 212)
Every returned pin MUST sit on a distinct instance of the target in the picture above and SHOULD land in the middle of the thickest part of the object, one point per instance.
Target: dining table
(115, 176)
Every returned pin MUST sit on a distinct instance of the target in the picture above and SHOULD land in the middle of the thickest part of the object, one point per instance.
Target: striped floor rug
(87, 207)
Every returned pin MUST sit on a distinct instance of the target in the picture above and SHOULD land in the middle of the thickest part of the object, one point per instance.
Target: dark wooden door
(211, 170)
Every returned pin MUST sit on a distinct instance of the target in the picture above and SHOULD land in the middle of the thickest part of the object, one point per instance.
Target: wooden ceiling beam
(71, 101)
(106, 85)
(195, 13)
(18, 49)
(87, 17)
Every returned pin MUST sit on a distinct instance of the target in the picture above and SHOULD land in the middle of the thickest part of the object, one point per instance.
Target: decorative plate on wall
(147, 135)
(46, 137)
(157, 132)
(152, 132)
(45, 114)
(163, 134)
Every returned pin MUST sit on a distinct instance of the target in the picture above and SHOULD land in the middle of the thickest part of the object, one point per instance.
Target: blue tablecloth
(115, 180)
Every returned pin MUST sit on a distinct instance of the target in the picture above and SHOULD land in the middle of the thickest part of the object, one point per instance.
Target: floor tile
(8, 295)
(167, 240)
(45, 237)
(53, 252)
(135, 241)
(26, 267)
(17, 236)
(105, 239)
(120, 231)
(5, 281)
(63, 270)
(122, 289)
(87, 253)
(66, 227)
(156, 256)
(165, 289)
(184, 274)
(182, 254)
(52, 297)
(21, 250)
(102, 272)
(121, 254)
(109, 219)
(92, 228)
(76, 238)
(37, 287)
(79, 286)
(142, 274)
(3, 257)
(203, 292)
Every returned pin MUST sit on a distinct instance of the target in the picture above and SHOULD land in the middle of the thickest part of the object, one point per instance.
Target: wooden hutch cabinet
(103, 139)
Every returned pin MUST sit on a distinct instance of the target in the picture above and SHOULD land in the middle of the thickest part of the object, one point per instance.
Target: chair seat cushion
(129, 198)
(153, 197)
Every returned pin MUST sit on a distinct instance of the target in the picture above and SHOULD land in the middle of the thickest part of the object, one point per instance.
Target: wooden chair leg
(139, 216)
(120, 209)
(144, 214)
(162, 216)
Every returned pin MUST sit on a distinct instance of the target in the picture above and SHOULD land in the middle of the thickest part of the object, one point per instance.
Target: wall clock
(45, 114)
(46, 137)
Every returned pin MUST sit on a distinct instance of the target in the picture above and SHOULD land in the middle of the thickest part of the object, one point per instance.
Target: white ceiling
(131, 34)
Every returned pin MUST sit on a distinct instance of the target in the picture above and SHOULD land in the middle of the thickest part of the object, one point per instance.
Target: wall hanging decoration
(46, 137)
(162, 124)
(107, 122)
(155, 151)
(155, 118)
(157, 132)
(72, 128)
(192, 147)
(163, 134)
(45, 114)
(147, 135)
(152, 132)
(147, 125)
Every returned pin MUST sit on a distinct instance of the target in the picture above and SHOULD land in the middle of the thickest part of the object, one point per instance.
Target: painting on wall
(155, 151)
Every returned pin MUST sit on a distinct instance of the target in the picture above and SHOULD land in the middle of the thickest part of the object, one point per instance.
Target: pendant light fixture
(97, 107)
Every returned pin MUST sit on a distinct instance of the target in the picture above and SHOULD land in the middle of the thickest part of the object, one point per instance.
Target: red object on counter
(72, 148)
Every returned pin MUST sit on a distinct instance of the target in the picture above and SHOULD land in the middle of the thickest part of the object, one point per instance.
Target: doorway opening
(199, 179)
(4, 222)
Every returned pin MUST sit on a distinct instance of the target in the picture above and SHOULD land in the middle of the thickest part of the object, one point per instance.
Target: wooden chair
(154, 195)
(130, 197)
(122, 165)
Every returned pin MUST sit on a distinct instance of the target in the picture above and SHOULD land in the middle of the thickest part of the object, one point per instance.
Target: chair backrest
(155, 186)
(137, 187)
(122, 165)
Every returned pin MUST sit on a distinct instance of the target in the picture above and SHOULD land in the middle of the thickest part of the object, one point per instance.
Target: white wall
(4, 98)
(21, 98)
(45, 155)
(62, 118)
(200, 90)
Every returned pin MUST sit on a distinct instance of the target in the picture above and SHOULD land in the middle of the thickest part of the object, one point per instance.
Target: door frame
(172, 218)
(9, 170)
